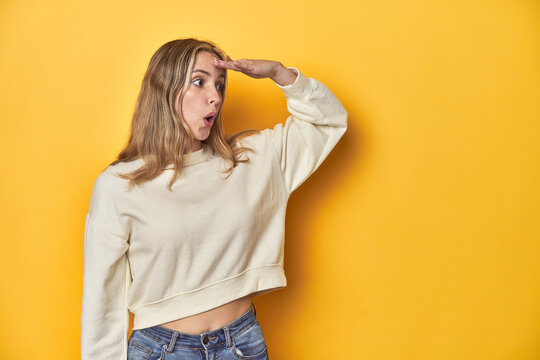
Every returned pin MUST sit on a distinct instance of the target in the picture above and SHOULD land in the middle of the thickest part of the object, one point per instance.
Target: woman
(187, 225)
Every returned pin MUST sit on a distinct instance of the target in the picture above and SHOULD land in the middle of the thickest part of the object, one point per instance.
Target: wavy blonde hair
(159, 134)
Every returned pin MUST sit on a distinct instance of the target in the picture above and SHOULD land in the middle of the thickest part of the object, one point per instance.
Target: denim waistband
(171, 339)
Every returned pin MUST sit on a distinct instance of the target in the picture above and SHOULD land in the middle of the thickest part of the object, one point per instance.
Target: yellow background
(418, 238)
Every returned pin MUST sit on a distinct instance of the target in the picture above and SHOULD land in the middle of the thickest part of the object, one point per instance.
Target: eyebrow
(207, 73)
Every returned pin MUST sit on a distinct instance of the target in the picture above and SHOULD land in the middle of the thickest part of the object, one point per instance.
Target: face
(203, 98)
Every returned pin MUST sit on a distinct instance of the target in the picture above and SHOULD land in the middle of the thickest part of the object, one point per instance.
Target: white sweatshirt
(166, 255)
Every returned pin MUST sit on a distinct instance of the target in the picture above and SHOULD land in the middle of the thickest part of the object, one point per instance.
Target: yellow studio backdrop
(418, 238)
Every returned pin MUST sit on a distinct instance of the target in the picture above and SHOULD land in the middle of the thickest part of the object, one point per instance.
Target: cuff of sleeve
(300, 88)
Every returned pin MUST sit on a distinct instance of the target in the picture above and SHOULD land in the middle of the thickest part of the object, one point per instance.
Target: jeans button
(205, 339)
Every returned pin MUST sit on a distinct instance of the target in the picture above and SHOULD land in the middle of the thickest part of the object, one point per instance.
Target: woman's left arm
(317, 122)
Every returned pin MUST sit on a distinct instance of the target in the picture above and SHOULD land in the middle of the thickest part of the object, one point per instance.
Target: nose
(214, 96)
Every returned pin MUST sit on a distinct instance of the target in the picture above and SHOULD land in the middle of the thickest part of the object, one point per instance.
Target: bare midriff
(212, 319)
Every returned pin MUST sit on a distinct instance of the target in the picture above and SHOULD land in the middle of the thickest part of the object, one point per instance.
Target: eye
(220, 87)
(198, 82)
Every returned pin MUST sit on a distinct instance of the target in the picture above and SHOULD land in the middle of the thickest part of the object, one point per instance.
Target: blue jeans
(241, 339)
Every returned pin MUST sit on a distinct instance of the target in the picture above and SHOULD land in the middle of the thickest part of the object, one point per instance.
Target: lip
(209, 118)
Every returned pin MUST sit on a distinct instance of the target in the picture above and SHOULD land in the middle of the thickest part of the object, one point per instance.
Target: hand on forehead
(204, 64)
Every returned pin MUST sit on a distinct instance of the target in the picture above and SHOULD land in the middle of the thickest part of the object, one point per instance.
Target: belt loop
(228, 340)
(173, 342)
(254, 310)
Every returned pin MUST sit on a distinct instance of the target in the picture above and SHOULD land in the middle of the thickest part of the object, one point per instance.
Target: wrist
(284, 76)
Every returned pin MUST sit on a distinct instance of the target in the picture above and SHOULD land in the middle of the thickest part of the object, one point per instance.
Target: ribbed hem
(258, 280)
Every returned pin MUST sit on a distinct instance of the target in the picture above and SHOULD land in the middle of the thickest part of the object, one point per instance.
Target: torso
(212, 319)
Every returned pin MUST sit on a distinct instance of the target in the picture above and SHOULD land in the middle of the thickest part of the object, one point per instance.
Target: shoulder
(109, 180)
(257, 142)
(110, 202)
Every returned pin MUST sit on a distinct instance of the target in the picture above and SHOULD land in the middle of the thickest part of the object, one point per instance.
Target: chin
(204, 137)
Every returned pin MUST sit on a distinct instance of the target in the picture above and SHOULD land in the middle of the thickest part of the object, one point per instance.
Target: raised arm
(317, 121)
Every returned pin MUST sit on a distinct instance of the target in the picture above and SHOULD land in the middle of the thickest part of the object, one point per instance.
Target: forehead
(204, 64)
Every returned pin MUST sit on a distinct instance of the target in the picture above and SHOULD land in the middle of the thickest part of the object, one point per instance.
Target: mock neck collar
(196, 156)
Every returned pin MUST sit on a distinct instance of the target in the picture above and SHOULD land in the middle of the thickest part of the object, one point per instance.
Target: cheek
(188, 105)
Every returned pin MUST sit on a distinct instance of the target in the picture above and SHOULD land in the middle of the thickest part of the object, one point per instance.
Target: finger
(247, 66)
(242, 63)
(221, 63)
(228, 60)
(225, 64)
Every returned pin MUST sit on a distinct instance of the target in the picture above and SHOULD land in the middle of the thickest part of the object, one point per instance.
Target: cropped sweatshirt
(166, 255)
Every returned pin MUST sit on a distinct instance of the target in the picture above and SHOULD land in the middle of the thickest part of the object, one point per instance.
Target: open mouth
(209, 119)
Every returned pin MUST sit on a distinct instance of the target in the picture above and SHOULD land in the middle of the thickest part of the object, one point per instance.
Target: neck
(197, 145)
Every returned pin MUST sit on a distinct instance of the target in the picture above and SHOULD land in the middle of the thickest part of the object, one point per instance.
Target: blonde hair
(159, 134)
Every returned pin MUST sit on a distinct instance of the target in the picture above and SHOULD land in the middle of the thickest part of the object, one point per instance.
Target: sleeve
(316, 123)
(106, 280)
